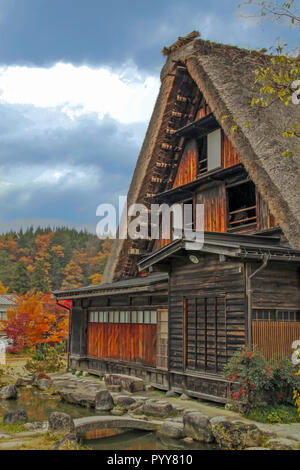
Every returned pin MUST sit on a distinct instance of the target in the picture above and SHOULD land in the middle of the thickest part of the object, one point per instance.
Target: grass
(281, 414)
(10, 428)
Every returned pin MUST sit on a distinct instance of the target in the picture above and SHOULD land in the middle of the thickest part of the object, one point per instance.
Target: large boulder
(161, 409)
(235, 434)
(174, 430)
(24, 381)
(44, 384)
(66, 442)
(60, 423)
(78, 397)
(197, 426)
(131, 384)
(172, 394)
(9, 392)
(283, 444)
(104, 401)
(124, 401)
(15, 417)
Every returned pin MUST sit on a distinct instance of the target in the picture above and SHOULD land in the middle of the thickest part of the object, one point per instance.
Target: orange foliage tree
(35, 318)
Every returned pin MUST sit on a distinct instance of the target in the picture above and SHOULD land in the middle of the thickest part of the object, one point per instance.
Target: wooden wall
(126, 342)
(214, 200)
(277, 286)
(187, 170)
(229, 155)
(265, 220)
(208, 278)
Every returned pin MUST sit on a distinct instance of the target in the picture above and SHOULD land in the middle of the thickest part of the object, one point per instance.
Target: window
(209, 152)
(276, 315)
(2, 315)
(241, 201)
(147, 317)
(214, 150)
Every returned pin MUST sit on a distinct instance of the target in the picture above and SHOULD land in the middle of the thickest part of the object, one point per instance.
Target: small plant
(46, 358)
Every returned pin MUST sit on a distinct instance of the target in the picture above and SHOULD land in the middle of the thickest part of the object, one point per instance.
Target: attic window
(209, 149)
(241, 201)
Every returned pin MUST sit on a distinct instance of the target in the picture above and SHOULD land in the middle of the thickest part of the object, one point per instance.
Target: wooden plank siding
(229, 155)
(265, 220)
(214, 200)
(208, 278)
(274, 339)
(124, 342)
(277, 286)
(187, 170)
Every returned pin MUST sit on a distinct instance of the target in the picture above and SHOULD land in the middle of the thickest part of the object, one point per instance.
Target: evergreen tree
(40, 280)
(20, 282)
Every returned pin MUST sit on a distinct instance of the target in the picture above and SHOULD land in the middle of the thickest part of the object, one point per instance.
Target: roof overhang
(149, 284)
(253, 247)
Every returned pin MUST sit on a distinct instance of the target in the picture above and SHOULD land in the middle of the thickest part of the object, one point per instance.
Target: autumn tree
(34, 319)
(277, 74)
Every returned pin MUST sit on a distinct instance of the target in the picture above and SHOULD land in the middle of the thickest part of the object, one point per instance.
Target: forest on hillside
(43, 259)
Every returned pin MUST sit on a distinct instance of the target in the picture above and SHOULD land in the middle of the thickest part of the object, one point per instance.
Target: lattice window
(275, 315)
(124, 316)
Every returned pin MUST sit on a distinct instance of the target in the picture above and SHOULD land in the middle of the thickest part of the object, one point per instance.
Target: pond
(40, 405)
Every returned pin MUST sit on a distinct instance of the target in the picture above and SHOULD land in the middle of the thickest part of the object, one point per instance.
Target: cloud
(127, 95)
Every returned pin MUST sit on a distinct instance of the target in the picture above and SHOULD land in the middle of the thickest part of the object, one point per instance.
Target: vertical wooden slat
(275, 338)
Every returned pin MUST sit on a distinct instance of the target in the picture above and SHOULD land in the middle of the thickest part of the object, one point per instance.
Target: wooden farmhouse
(171, 311)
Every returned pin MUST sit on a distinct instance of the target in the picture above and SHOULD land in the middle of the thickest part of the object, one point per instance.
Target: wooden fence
(275, 338)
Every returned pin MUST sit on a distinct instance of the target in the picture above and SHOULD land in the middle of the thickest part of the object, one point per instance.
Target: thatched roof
(224, 74)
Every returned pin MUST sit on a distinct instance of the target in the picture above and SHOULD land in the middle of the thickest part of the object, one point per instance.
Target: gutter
(266, 258)
(69, 331)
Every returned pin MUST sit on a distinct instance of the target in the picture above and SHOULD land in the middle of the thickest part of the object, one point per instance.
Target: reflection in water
(139, 440)
(40, 405)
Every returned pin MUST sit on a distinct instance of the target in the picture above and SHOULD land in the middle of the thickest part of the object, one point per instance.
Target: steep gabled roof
(224, 75)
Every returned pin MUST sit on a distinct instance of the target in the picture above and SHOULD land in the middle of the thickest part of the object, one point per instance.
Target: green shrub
(257, 382)
(46, 358)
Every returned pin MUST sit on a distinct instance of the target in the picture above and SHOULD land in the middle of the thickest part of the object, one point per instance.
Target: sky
(78, 83)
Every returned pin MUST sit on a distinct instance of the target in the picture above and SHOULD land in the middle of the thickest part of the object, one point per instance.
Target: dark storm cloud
(96, 32)
(65, 170)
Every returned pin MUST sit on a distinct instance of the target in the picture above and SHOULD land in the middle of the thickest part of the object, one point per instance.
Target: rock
(114, 388)
(197, 426)
(256, 448)
(5, 436)
(33, 426)
(124, 401)
(60, 422)
(85, 373)
(172, 430)
(38, 376)
(188, 440)
(15, 417)
(185, 397)
(69, 438)
(131, 384)
(78, 373)
(138, 404)
(24, 381)
(44, 384)
(9, 392)
(149, 388)
(172, 394)
(79, 397)
(118, 411)
(282, 444)
(104, 401)
(161, 409)
(235, 434)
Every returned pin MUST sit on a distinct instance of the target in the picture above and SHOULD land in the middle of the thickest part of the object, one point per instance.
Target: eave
(230, 245)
